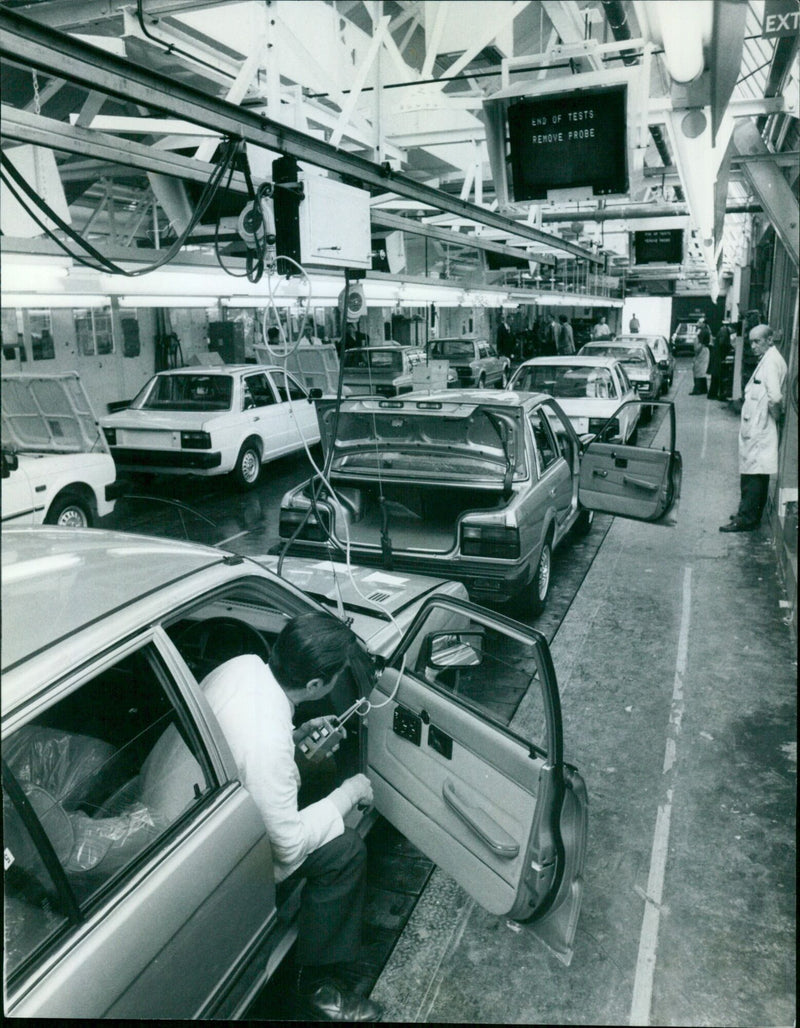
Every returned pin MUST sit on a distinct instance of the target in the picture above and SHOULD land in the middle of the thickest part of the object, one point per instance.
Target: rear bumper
(192, 460)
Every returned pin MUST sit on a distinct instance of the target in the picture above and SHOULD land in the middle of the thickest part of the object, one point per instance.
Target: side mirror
(454, 649)
(315, 393)
(10, 463)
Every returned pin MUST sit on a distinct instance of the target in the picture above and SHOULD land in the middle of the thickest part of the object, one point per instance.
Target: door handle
(481, 823)
(640, 483)
(600, 473)
(553, 491)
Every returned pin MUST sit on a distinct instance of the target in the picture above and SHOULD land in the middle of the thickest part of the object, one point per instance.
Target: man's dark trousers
(754, 489)
(331, 907)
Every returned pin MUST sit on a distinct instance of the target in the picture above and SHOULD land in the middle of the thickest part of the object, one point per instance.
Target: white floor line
(648, 938)
(230, 538)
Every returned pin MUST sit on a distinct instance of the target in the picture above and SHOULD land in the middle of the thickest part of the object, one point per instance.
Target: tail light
(490, 541)
(195, 441)
(315, 529)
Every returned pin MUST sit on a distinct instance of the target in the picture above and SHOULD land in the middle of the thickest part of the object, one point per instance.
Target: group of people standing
(709, 367)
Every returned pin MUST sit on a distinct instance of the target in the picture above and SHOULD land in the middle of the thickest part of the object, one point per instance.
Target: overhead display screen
(569, 141)
(663, 246)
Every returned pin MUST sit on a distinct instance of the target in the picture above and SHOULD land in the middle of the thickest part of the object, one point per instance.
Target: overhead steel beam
(395, 221)
(25, 42)
(628, 212)
(75, 14)
(25, 127)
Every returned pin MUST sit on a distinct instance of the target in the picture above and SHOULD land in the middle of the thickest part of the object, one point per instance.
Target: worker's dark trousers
(754, 489)
(332, 903)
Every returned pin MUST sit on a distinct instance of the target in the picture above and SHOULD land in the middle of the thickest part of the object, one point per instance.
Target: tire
(583, 523)
(532, 600)
(482, 382)
(503, 380)
(70, 510)
(248, 465)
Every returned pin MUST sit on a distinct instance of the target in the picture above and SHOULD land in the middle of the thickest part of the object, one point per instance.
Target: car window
(483, 668)
(187, 392)
(483, 350)
(623, 377)
(256, 392)
(454, 348)
(288, 388)
(33, 911)
(546, 449)
(104, 773)
(559, 424)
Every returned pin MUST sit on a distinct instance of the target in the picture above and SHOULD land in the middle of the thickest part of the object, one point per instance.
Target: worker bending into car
(254, 704)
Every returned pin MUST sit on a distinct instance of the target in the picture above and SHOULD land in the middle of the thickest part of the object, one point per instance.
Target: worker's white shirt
(255, 716)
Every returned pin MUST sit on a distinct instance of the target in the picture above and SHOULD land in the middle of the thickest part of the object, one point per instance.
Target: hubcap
(72, 517)
(250, 466)
(543, 577)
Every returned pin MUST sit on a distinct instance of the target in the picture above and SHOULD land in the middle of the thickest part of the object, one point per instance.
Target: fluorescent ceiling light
(50, 300)
(168, 301)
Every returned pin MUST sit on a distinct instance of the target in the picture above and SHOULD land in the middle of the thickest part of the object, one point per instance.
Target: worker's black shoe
(329, 1000)
(737, 525)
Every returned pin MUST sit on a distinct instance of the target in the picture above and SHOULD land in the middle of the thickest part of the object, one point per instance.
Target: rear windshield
(374, 360)
(454, 348)
(186, 392)
(567, 382)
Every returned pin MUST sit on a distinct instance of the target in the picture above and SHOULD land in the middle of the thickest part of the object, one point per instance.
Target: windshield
(433, 443)
(186, 392)
(628, 354)
(374, 360)
(454, 348)
(567, 382)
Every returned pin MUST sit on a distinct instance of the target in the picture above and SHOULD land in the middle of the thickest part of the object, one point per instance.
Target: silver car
(119, 905)
(476, 362)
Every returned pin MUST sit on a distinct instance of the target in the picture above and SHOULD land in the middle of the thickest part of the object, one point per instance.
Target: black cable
(217, 254)
(170, 48)
(8, 172)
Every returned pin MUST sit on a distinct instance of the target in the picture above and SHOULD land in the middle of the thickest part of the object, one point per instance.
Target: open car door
(640, 482)
(466, 760)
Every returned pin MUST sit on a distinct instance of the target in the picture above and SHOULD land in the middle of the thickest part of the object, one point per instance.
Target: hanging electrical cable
(99, 262)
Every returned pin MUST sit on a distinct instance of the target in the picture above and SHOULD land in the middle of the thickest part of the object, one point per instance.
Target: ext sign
(781, 18)
(567, 141)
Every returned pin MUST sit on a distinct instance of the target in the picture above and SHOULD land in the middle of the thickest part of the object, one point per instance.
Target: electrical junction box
(334, 224)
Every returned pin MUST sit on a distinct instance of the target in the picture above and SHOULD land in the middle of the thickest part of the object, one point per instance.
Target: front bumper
(190, 460)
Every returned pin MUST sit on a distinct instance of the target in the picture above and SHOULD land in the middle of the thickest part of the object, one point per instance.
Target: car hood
(48, 414)
(373, 598)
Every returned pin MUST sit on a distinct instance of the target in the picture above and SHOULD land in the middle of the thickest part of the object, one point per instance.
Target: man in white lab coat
(762, 414)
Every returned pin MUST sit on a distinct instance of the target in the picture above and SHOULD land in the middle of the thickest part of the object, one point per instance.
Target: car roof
(56, 581)
(612, 343)
(459, 339)
(638, 336)
(220, 369)
(567, 360)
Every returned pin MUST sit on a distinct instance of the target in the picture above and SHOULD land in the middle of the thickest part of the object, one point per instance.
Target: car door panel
(498, 811)
(209, 862)
(19, 505)
(414, 784)
(636, 482)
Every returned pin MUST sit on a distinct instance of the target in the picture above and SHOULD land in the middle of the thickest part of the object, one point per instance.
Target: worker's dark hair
(316, 645)
(562, 318)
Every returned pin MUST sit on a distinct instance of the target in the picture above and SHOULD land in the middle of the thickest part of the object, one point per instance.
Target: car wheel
(503, 380)
(584, 522)
(532, 600)
(70, 510)
(248, 465)
(482, 382)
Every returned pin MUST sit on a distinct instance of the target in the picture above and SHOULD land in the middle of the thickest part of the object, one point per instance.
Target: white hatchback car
(56, 466)
(117, 906)
(219, 420)
(590, 391)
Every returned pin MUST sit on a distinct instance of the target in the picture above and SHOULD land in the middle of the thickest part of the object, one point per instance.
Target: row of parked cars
(116, 908)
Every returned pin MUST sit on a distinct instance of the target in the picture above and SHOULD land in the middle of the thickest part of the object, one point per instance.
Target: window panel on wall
(11, 333)
(40, 327)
